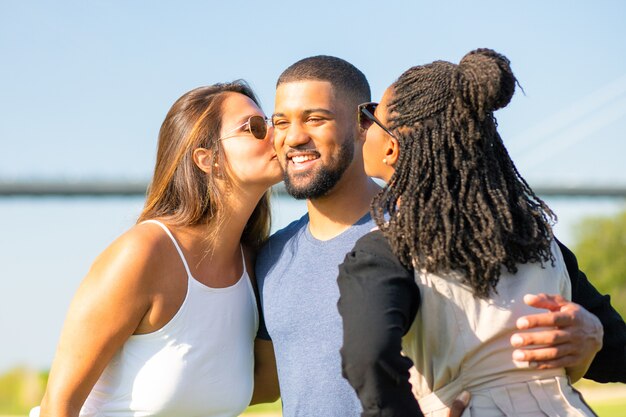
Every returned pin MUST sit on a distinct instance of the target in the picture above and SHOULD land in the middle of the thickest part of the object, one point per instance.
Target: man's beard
(325, 178)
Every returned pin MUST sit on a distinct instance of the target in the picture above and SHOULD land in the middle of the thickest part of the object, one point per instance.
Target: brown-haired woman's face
(377, 143)
(250, 161)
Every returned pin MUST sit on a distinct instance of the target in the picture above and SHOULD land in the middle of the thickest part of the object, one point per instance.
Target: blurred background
(84, 87)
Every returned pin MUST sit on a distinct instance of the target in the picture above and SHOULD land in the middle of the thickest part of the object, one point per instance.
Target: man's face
(313, 136)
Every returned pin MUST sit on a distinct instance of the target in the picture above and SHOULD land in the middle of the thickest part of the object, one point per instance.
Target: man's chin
(312, 189)
(298, 192)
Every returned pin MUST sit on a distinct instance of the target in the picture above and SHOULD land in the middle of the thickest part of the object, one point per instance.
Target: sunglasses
(256, 125)
(366, 117)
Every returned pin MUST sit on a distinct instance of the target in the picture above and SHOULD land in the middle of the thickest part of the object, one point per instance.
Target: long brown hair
(182, 193)
(456, 201)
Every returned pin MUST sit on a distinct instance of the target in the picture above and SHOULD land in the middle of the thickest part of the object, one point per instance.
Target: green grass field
(615, 408)
(607, 400)
(273, 408)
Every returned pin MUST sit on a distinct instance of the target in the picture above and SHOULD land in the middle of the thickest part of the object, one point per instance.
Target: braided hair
(456, 201)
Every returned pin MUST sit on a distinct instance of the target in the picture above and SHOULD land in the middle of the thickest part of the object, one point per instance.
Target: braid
(456, 201)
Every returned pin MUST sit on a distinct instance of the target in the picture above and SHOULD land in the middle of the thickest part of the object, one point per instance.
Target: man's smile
(301, 160)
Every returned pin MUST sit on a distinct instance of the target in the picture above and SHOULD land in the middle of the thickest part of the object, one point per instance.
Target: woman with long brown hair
(462, 238)
(164, 322)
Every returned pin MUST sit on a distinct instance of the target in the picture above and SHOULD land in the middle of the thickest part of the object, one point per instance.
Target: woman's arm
(609, 363)
(107, 308)
(378, 302)
(266, 388)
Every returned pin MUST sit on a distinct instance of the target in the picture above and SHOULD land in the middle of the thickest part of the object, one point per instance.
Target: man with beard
(319, 146)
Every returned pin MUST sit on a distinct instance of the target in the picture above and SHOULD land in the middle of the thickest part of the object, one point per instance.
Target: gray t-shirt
(297, 277)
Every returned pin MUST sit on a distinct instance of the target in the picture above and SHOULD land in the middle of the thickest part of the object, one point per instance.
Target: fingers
(554, 303)
(548, 337)
(544, 354)
(562, 362)
(549, 302)
(556, 348)
(459, 404)
(551, 319)
(570, 336)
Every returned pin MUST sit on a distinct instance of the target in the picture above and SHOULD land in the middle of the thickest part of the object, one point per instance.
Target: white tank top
(201, 363)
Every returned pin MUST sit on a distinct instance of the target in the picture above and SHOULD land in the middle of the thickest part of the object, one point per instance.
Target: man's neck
(346, 203)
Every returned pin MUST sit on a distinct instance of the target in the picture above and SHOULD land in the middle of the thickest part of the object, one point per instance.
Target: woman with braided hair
(461, 239)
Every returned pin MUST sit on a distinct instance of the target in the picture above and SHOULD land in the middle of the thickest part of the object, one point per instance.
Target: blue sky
(85, 85)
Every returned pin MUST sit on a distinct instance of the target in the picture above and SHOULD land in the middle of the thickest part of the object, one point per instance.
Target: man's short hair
(342, 75)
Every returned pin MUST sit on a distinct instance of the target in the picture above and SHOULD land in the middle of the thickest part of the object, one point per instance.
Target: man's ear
(203, 158)
(393, 151)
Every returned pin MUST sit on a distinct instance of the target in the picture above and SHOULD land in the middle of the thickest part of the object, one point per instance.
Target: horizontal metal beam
(138, 188)
(618, 191)
(73, 188)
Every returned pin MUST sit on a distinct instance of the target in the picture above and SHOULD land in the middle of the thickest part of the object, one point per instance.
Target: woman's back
(453, 201)
(462, 342)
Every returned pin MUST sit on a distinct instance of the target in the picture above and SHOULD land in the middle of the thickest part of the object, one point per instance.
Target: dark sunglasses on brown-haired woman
(366, 117)
(257, 125)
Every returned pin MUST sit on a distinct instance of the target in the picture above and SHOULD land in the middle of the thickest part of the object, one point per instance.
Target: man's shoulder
(291, 229)
(288, 232)
(280, 238)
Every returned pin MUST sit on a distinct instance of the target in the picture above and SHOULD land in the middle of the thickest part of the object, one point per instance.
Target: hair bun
(487, 80)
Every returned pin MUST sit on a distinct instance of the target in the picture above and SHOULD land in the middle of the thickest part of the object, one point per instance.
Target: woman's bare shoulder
(137, 255)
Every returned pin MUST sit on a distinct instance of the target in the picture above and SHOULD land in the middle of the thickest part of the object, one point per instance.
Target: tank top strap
(243, 260)
(245, 275)
(178, 249)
